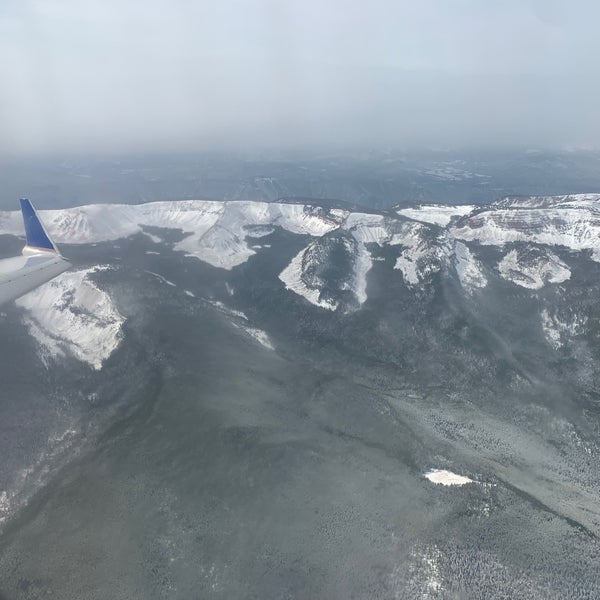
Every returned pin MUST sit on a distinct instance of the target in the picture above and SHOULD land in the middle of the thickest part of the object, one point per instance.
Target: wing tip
(36, 236)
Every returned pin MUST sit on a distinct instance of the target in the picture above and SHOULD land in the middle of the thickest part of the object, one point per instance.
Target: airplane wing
(40, 262)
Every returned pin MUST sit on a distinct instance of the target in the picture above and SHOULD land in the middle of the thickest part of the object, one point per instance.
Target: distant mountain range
(370, 179)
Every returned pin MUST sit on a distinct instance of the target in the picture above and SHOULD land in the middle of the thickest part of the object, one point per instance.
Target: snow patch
(292, 278)
(161, 278)
(259, 231)
(436, 214)
(231, 312)
(154, 238)
(367, 228)
(362, 266)
(420, 257)
(533, 269)
(558, 330)
(4, 506)
(425, 577)
(469, 270)
(444, 477)
(242, 323)
(257, 334)
(431, 560)
(71, 315)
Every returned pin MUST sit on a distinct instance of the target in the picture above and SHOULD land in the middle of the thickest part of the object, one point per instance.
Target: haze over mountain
(365, 178)
(112, 77)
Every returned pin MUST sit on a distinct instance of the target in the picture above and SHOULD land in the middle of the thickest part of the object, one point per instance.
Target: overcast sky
(153, 75)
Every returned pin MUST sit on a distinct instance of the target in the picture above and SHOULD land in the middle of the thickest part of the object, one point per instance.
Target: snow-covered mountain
(411, 384)
(227, 234)
(569, 221)
(331, 270)
(71, 314)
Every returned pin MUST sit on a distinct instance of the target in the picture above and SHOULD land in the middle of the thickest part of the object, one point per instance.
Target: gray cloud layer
(107, 75)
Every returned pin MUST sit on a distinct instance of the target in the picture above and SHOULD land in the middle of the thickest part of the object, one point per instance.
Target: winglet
(37, 238)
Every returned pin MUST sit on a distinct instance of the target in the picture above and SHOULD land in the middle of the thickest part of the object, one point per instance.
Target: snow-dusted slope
(223, 244)
(294, 277)
(71, 315)
(468, 268)
(367, 228)
(359, 233)
(559, 328)
(436, 213)
(420, 257)
(571, 221)
(216, 230)
(532, 267)
(240, 321)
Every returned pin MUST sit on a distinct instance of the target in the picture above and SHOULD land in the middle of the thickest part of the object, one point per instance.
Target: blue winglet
(34, 230)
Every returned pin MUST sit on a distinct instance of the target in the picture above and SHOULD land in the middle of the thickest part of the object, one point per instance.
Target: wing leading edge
(41, 260)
